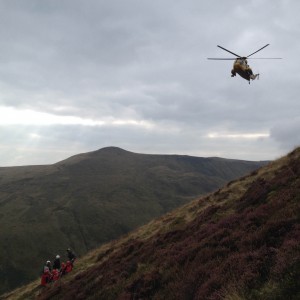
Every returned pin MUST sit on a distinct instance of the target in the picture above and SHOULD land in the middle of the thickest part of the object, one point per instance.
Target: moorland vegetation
(239, 242)
(93, 198)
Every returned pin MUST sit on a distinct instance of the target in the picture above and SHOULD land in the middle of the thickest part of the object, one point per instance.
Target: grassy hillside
(240, 242)
(93, 198)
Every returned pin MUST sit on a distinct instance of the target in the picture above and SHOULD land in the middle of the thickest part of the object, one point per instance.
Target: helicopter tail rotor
(253, 77)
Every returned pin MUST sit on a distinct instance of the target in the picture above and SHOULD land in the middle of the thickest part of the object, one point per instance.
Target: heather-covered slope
(241, 242)
(93, 198)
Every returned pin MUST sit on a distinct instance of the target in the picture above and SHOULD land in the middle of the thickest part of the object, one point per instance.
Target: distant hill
(89, 199)
(240, 242)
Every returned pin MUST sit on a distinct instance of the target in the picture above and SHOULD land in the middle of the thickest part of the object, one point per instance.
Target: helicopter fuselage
(241, 67)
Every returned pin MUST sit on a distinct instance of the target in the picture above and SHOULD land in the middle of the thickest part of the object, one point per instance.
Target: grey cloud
(287, 134)
(50, 144)
(147, 61)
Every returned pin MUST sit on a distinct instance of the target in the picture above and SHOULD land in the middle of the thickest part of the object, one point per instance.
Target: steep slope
(241, 242)
(92, 198)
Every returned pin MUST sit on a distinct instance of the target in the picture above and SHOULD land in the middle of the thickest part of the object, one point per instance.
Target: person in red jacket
(46, 276)
(63, 269)
(69, 267)
(55, 275)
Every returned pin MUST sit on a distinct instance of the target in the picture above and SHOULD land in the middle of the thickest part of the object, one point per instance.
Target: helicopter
(240, 65)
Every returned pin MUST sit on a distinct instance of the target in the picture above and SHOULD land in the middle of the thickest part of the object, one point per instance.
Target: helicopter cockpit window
(243, 62)
(240, 61)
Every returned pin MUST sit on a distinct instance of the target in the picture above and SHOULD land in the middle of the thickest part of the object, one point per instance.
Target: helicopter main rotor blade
(229, 51)
(258, 50)
(221, 58)
(265, 58)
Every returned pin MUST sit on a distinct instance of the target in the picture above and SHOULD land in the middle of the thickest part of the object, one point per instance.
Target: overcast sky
(80, 75)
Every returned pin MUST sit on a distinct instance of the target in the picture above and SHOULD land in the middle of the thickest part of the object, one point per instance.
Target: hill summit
(240, 242)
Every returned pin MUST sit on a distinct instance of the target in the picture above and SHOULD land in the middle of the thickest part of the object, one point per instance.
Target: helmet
(48, 262)
(68, 249)
(57, 256)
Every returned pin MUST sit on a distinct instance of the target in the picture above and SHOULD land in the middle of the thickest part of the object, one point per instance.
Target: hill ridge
(239, 242)
(92, 198)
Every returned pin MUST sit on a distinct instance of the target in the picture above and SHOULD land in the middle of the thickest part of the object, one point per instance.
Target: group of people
(52, 272)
